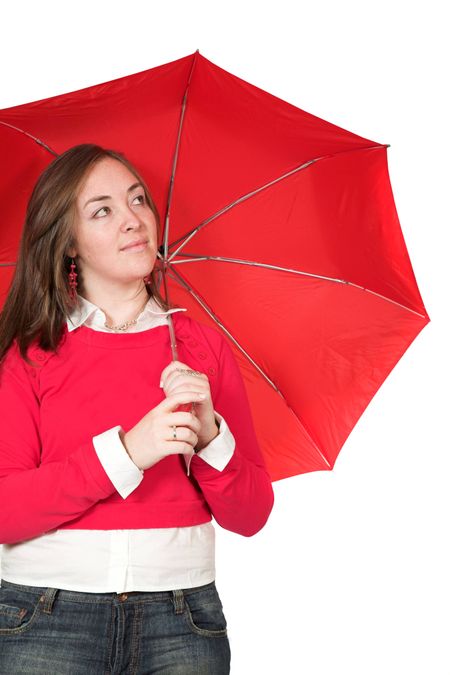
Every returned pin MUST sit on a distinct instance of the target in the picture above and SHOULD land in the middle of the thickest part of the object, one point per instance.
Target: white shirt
(102, 561)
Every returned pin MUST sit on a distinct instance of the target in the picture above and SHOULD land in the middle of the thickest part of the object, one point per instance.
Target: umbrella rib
(37, 140)
(169, 203)
(8, 264)
(197, 258)
(186, 238)
(178, 278)
(175, 158)
(291, 271)
(230, 206)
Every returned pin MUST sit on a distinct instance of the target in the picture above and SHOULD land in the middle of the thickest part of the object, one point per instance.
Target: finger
(179, 448)
(173, 400)
(183, 434)
(179, 371)
(184, 419)
(170, 368)
(176, 379)
(199, 387)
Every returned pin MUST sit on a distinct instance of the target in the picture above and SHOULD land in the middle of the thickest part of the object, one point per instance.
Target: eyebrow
(102, 197)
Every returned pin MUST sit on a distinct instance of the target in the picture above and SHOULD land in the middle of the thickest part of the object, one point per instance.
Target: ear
(71, 252)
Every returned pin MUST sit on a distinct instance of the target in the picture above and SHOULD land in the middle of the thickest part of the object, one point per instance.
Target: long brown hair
(38, 300)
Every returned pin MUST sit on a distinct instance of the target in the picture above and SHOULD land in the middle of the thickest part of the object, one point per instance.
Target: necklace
(127, 324)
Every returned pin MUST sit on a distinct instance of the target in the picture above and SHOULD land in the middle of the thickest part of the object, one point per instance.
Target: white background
(351, 573)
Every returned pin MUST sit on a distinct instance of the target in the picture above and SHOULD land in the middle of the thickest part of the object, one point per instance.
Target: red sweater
(50, 475)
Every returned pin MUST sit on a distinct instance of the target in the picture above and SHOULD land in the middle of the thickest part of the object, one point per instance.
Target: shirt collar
(87, 313)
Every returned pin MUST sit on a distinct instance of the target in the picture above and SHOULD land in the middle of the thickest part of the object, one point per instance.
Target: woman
(107, 486)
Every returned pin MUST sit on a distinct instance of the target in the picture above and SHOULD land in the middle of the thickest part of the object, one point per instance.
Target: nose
(130, 220)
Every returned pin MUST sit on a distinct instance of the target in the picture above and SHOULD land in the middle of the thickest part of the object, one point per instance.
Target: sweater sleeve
(241, 495)
(36, 498)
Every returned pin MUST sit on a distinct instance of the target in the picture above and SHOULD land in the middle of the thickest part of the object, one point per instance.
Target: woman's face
(115, 229)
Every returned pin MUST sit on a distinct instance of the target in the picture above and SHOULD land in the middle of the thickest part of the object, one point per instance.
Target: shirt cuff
(219, 451)
(122, 471)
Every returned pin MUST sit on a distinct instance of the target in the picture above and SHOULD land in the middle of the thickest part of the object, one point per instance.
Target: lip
(137, 244)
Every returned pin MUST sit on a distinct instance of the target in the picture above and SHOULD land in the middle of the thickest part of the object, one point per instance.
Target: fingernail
(161, 384)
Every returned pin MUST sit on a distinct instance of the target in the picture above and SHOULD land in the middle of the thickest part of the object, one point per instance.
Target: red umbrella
(280, 230)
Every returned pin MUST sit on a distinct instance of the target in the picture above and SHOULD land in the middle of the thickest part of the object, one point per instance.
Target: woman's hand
(178, 377)
(152, 438)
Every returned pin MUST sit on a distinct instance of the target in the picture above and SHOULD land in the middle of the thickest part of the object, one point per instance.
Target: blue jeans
(58, 632)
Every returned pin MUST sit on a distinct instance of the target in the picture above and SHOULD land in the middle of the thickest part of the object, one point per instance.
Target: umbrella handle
(173, 342)
(183, 407)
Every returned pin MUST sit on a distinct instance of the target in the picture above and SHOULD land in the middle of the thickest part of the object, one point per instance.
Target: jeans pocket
(18, 610)
(204, 613)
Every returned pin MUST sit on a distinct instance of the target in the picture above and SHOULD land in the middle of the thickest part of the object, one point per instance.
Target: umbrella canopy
(280, 230)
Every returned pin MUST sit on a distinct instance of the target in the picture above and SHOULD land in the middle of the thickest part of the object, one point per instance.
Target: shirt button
(202, 355)
(40, 357)
(212, 371)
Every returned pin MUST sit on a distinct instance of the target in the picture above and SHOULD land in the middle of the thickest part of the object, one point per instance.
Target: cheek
(151, 224)
(99, 247)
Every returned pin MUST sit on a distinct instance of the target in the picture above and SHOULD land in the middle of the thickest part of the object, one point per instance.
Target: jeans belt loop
(178, 601)
(48, 599)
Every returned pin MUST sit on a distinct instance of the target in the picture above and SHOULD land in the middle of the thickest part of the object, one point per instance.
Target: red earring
(73, 280)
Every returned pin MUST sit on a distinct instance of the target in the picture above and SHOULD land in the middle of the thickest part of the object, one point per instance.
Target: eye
(102, 209)
(140, 197)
